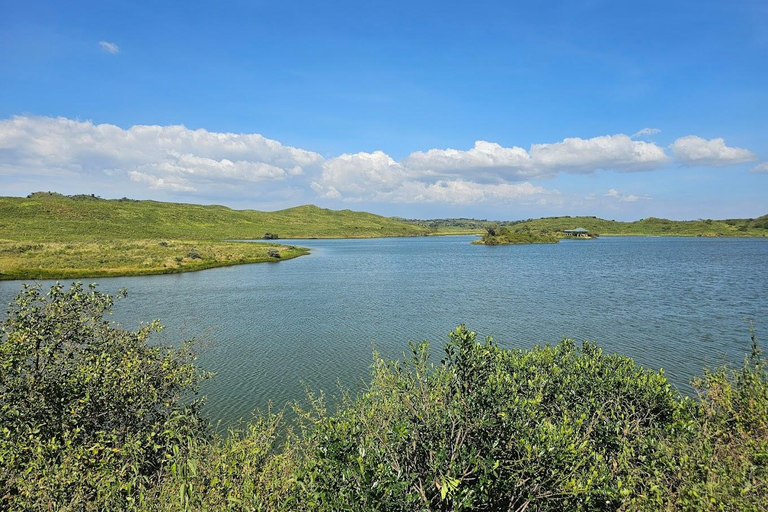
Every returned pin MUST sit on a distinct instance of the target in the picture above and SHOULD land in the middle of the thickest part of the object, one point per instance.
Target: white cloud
(468, 192)
(361, 173)
(625, 198)
(483, 158)
(178, 161)
(485, 172)
(490, 161)
(609, 152)
(173, 184)
(761, 168)
(377, 177)
(109, 47)
(164, 157)
(693, 150)
(645, 132)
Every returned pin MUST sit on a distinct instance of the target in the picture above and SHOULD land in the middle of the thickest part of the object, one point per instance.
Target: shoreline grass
(67, 260)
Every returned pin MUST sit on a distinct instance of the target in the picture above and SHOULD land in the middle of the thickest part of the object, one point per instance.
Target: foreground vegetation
(507, 236)
(48, 235)
(93, 417)
(646, 227)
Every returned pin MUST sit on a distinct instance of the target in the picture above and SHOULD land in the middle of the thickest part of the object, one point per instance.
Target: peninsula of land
(51, 236)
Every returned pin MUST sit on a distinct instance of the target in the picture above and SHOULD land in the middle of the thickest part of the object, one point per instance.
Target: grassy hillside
(53, 217)
(645, 227)
(51, 236)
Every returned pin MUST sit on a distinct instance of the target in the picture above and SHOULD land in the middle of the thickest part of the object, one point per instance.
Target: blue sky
(500, 110)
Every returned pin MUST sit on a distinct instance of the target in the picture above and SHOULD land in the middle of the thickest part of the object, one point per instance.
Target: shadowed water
(269, 329)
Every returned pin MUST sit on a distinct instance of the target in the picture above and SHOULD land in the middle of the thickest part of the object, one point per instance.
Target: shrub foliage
(93, 418)
(88, 410)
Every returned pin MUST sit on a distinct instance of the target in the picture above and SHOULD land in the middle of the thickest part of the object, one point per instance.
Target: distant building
(577, 233)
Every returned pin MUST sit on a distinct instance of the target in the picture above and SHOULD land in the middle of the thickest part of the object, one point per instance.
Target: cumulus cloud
(490, 161)
(109, 47)
(761, 168)
(468, 192)
(179, 161)
(173, 183)
(608, 152)
(485, 158)
(486, 172)
(624, 198)
(645, 132)
(163, 157)
(693, 150)
(377, 177)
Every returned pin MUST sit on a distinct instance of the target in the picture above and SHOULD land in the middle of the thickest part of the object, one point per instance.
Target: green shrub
(94, 418)
(554, 428)
(88, 411)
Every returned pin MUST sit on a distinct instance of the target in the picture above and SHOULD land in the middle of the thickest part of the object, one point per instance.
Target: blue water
(269, 330)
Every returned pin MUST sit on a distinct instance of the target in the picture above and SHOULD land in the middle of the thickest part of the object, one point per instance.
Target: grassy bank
(97, 418)
(60, 260)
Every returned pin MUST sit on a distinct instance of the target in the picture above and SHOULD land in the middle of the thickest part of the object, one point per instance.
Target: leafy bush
(503, 236)
(554, 428)
(94, 418)
(88, 411)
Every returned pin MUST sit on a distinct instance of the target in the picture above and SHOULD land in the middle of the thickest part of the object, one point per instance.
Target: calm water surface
(271, 329)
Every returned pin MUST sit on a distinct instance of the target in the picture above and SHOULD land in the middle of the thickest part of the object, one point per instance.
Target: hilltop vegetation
(53, 217)
(95, 417)
(506, 236)
(646, 227)
(48, 235)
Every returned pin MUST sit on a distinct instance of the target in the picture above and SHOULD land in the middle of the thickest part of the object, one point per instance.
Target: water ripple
(269, 330)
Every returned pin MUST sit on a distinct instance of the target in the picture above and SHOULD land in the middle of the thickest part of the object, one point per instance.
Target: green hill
(646, 227)
(654, 227)
(51, 236)
(54, 217)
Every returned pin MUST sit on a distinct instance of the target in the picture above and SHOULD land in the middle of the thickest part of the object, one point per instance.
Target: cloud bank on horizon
(184, 162)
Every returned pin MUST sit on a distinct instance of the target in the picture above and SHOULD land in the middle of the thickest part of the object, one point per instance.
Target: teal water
(270, 329)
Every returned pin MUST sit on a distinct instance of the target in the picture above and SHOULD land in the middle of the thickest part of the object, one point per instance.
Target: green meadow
(53, 217)
(55, 260)
(48, 235)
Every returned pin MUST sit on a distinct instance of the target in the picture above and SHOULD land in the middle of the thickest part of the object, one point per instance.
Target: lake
(269, 330)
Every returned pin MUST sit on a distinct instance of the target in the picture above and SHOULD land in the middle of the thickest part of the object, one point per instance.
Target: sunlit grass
(54, 260)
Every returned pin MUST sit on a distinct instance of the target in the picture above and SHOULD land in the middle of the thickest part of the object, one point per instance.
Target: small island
(506, 236)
